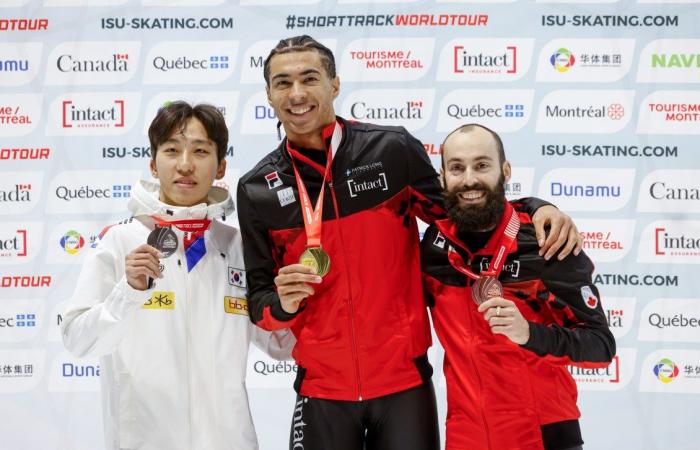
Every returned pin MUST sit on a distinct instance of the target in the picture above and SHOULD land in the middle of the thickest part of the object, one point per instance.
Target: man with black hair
(331, 249)
(161, 299)
(509, 320)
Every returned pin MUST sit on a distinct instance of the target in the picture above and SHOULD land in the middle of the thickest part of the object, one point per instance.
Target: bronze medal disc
(485, 288)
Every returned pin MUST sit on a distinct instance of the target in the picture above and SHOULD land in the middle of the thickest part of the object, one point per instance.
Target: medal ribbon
(505, 244)
(313, 217)
(194, 237)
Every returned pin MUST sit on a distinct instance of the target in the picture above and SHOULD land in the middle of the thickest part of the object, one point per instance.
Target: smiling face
(186, 165)
(301, 92)
(473, 178)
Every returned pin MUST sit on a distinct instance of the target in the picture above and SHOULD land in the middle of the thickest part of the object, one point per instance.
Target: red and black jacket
(365, 332)
(502, 395)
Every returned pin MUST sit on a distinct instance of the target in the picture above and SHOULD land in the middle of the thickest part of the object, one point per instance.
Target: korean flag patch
(236, 277)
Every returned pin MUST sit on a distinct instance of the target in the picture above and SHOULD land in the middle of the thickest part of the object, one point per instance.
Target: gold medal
(317, 259)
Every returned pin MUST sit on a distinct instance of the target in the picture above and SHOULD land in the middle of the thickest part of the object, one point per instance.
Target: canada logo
(589, 297)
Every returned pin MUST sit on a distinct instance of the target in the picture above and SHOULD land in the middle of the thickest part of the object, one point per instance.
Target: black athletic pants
(405, 420)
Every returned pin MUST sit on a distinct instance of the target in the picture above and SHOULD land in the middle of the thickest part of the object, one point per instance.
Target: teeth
(300, 110)
(471, 195)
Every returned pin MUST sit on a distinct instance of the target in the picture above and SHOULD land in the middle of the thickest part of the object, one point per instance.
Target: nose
(184, 162)
(298, 93)
(469, 179)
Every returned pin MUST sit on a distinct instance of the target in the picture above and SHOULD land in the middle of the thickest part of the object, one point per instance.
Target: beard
(472, 218)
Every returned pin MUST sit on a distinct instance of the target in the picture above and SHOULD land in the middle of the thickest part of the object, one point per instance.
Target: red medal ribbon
(505, 245)
(193, 228)
(313, 217)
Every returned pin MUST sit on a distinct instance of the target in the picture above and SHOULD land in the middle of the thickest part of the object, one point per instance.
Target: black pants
(405, 420)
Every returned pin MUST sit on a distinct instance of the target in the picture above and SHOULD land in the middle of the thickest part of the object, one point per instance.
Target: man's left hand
(562, 230)
(504, 318)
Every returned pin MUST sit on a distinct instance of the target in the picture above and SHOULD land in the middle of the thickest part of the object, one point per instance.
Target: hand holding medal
(164, 240)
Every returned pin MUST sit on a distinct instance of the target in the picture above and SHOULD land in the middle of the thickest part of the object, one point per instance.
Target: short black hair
(174, 115)
(470, 127)
(303, 43)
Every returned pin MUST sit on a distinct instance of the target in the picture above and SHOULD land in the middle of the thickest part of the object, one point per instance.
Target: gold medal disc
(317, 259)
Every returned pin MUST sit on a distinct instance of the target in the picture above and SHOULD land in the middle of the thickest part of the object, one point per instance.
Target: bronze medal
(485, 288)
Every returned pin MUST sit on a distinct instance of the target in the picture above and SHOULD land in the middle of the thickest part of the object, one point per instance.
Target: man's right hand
(292, 285)
(140, 264)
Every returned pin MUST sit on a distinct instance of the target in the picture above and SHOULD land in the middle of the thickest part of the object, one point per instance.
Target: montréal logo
(466, 61)
(562, 60)
(93, 117)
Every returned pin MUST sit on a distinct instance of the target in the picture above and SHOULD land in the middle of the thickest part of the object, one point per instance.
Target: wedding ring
(498, 311)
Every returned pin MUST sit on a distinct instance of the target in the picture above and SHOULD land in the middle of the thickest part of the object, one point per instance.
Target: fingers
(296, 268)
(143, 264)
(494, 302)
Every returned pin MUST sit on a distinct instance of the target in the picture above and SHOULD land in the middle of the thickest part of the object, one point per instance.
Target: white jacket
(173, 376)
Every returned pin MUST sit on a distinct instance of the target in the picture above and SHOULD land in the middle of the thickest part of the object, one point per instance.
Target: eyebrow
(179, 141)
(286, 75)
(479, 158)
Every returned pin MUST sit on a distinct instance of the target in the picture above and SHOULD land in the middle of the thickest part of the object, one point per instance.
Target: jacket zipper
(349, 301)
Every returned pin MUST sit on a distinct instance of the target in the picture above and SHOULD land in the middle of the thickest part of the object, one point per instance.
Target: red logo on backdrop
(14, 246)
(25, 281)
(616, 111)
(92, 117)
(24, 153)
(24, 24)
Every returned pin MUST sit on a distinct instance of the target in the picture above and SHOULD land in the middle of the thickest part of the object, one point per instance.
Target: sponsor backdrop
(597, 102)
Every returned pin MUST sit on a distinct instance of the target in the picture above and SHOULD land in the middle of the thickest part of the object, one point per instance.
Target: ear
(221, 170)
(506, 170)
(335, 83)
(442, 178)
(154, 170)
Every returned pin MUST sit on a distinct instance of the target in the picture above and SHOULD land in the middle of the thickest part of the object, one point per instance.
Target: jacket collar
(449, 230)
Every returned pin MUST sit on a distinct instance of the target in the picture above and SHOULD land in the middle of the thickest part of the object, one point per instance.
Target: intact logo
(675, 244)
(589, 298)
(666, 371)
(160, 300)
(14, 245)
(481, 62)
(608, 374)
(72, 242)
(512, 267)
(562, 60)
(236, 305)
(357, 188)
(236, 277)
(273, 180)
(92, 117)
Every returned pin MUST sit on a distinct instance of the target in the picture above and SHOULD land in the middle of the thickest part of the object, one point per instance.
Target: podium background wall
(597, 103)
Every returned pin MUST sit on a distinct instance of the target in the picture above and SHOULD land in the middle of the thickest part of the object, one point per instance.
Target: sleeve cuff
(131, 295)
(537, 336)
(280, 314)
